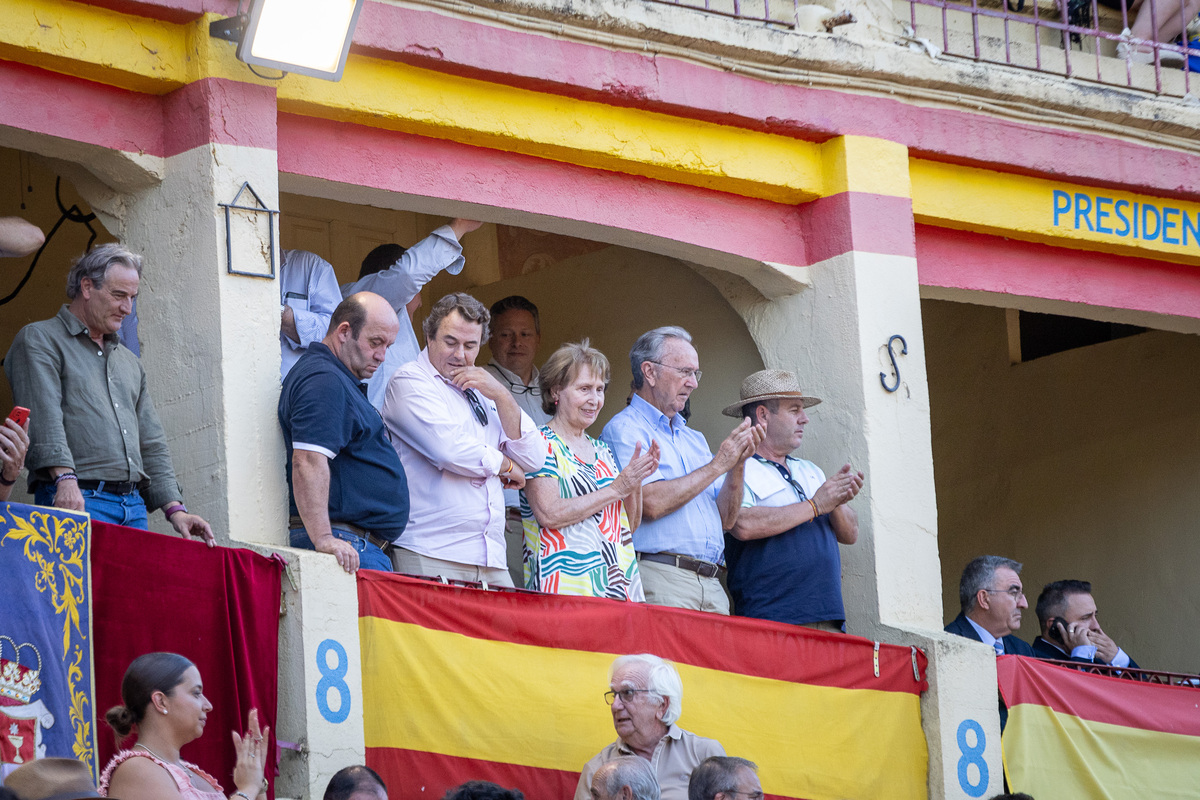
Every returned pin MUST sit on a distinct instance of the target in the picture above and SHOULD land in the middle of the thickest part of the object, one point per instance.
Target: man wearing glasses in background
(646, 696)
(516, 336)
(992, 597)
(693, 497)
(462, 439)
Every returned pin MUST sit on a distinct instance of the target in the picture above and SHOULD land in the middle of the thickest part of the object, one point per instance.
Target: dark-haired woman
(163, 701)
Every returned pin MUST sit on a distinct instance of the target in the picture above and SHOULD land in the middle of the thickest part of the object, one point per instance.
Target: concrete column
(210, 341)
(320, 675)
(834, 334)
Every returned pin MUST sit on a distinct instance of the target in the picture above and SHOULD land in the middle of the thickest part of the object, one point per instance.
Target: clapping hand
(251, 747)
(640, 467)
(841, 488)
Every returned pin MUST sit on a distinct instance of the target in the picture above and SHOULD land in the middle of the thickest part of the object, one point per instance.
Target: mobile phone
(19, 414)
(1055, 633)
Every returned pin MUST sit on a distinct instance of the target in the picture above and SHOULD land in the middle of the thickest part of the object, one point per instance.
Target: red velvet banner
(219, 607)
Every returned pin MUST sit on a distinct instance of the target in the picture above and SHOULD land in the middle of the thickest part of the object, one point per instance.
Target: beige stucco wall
(41, 297)
(1082, 465)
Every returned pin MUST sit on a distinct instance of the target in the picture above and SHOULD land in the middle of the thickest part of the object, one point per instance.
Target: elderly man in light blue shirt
(397, 274)
(694, 496)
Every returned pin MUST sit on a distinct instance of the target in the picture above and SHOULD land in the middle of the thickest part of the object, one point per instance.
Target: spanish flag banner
(1072, 734)
(464, 684)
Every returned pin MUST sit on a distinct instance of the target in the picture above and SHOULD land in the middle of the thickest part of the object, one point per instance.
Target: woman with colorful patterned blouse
(579, 512)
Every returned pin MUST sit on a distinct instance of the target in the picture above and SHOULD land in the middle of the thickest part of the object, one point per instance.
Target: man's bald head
(361, 329)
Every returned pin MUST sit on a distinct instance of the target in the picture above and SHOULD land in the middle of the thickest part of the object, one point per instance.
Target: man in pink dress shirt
(462, 439)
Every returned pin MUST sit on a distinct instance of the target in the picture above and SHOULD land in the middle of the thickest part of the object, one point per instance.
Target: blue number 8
(331, 679)
(972, 755)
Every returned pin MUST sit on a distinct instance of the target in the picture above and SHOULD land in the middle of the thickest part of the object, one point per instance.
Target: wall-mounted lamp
(308, 37)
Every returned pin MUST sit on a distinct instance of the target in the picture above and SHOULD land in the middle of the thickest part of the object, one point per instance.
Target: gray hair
(94, 265)
(649, 347)
(631, 771)
(467, 307)
(716, 774)
(978, 575)
(662, 680)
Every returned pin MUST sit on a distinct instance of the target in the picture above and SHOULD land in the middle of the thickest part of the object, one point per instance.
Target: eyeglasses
(520, 388)
(1015, 592)
(684, 371)
(476, 407)
(626, 695)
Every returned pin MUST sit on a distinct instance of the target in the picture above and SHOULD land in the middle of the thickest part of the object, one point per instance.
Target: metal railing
(1044, 38)
(1126, 673)
(1084, 40)
(778, 12)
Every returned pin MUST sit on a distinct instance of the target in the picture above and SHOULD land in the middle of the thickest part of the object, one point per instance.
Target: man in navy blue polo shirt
(782, 553)
(349, 495)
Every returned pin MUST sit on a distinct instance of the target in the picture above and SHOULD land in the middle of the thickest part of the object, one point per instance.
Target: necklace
(160, 758)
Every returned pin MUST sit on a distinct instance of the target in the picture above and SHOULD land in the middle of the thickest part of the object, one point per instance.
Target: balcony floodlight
(308, 37)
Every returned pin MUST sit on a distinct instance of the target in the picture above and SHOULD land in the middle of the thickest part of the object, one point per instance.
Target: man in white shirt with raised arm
(462, 439)
(397, 274)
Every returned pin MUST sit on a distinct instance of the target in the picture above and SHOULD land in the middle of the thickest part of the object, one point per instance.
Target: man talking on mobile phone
(1071, 631)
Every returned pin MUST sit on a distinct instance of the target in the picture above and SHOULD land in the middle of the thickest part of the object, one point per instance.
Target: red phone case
(19, 415)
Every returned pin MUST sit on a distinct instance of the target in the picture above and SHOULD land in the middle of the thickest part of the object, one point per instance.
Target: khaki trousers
(416, 564)
(666, 585)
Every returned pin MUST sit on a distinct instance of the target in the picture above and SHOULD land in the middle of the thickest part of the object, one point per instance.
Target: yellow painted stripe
(1055, 755)
(863, 164)
(133, 52)
(1023, 207)
(442, 692)
(397, 96)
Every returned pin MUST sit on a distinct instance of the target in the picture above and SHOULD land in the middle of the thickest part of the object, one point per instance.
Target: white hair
(662, 680)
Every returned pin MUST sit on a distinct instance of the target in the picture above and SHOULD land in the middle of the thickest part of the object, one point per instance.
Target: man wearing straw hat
(782, 553)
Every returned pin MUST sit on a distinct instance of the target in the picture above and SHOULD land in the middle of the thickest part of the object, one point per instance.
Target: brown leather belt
(705, 569)
(378, 541)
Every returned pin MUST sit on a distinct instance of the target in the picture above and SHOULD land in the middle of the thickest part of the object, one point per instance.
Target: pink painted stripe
(414, 165)
(663, 84)
(963, 260)
(219, 111)
(848, 221)
(66, 107)
(212, 110)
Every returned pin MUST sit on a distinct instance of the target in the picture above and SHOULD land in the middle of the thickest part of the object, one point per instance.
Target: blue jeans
(369, 555)
(119, 509)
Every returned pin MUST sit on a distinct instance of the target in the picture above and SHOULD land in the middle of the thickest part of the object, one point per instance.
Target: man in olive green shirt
(96, 444)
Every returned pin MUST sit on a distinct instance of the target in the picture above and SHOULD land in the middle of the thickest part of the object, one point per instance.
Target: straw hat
(769, 384)
(52, 779)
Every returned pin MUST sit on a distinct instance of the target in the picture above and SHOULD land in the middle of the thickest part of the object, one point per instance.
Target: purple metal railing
(1077, 23)
(779, 12)
(1084, 33)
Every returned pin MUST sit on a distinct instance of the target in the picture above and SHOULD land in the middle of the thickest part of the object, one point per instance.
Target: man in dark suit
(992, 597)
(1066, 611)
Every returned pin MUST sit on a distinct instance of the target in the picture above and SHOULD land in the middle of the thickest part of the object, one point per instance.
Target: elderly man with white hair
(646, 695)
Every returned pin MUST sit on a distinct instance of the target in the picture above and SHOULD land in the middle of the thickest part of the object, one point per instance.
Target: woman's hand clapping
(640, 467)
(248, 773)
